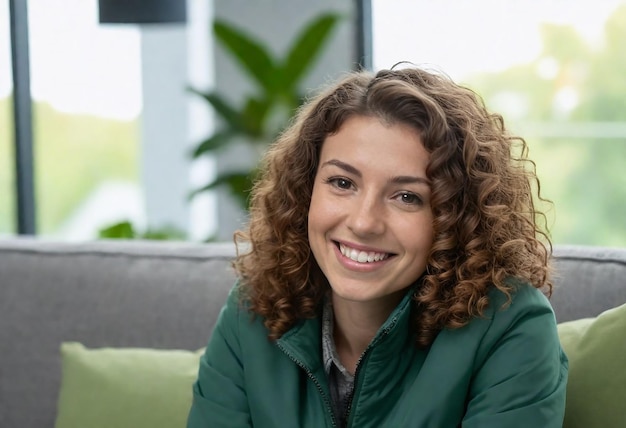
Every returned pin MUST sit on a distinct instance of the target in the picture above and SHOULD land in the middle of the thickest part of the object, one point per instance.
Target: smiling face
(370, 221)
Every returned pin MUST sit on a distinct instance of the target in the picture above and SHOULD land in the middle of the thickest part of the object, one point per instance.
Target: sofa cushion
(127, 387)
(596, 389)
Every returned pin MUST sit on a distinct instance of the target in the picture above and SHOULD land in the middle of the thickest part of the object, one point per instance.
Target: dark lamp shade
(142, 11)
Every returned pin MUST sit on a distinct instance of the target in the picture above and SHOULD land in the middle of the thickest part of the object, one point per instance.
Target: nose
(366, 217)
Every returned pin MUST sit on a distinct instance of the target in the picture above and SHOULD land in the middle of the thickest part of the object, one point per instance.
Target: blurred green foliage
(126, 230)
(262, 115)
(570, 105)
(7, 170)
(73, 155)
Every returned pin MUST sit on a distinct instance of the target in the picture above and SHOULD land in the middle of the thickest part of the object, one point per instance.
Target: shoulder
(522, 302)
(524, 320)
(231, 309)
(524, 313)
(519, 367)
(235, 316)
(518, 326)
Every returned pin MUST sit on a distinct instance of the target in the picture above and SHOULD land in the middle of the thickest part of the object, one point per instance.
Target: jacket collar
(304, 341)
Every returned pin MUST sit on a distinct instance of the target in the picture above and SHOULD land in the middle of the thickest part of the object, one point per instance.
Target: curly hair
(487, 229)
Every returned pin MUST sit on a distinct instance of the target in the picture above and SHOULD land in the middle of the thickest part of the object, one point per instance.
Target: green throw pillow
(128, 387)
(596, 389)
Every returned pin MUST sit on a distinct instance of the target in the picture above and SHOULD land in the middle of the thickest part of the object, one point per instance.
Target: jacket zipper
(329, 409)
(358, 369)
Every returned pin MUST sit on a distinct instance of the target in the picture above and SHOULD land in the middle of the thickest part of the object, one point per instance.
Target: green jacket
(504, 370)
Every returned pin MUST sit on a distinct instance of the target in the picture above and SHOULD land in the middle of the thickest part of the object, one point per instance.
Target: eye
(409, 198)
(340, 183)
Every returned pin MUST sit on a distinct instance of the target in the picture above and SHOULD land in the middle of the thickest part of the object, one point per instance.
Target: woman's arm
(219, 395)
(522, 378)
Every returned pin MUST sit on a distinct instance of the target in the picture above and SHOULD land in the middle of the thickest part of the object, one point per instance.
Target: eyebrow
(399, 179)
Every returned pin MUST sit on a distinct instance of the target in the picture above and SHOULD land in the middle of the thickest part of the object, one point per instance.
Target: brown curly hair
(486, 227)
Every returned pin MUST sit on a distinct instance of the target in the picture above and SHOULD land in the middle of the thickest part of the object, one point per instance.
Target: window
(555, 70)
(7, 183)
(86, 89)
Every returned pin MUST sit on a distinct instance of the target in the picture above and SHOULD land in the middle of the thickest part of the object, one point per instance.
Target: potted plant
(262, 115)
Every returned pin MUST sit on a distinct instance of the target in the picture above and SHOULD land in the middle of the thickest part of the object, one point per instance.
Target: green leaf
(254, 57)
(254, 116)
(126, 230)
(239, 184)
(230, 115)
(121, 230)
(164, 233)
(215, 142)
(305, 50)
(232, 179)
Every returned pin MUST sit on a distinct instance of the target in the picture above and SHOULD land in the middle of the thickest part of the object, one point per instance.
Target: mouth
(361, 256)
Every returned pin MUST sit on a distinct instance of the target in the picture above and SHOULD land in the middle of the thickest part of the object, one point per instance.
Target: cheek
(322, 208)
(421, 235)
(316, 212)
(319, 223)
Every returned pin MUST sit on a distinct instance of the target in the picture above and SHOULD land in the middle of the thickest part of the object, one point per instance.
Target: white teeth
(362, 256)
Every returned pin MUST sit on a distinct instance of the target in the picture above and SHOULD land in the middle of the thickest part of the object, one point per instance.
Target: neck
(356, 324)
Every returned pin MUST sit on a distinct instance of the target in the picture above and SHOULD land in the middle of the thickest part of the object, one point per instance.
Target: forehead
(370, 142)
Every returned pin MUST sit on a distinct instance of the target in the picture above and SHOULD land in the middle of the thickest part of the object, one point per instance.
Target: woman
(391, 274)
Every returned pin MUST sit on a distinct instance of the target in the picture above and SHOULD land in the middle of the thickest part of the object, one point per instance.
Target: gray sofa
(167, 295)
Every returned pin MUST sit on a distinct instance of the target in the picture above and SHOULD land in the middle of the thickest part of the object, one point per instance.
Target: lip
(361, 247)
(353, 265)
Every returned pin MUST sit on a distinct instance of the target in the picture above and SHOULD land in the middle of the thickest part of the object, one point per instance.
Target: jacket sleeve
(522, 373)
(219, 395)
